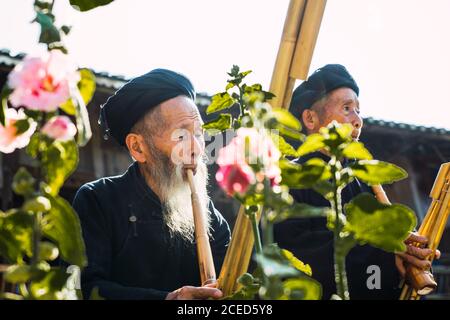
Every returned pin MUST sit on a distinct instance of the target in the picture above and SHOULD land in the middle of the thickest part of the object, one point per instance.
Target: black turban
(138, 96)
(321, 82)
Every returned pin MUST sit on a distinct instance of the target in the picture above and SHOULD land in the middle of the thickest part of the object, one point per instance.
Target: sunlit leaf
(275, 268)
(51, 286)
(59, 160)
(383, 226)
(285, 148)
(306, 175)
(296, 263)
(62, 226)
(286, 118)
(220, 101)
(313, 143)
(301, 288)
(377, 172)
(356, 150)
(222, 123)
(86, 87)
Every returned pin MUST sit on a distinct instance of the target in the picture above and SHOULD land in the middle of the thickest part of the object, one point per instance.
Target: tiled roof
(114, 82)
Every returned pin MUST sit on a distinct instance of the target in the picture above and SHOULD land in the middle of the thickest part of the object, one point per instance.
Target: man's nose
(197, 148)
(357, 121)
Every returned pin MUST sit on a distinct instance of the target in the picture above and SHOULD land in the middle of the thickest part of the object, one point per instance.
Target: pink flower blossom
(235, 174)
(59, 128)
(42, 83)
(9, 139)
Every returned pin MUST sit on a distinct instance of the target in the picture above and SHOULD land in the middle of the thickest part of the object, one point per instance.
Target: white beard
(175, 196)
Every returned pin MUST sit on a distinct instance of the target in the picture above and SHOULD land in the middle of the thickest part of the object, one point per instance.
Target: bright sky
(398, 51)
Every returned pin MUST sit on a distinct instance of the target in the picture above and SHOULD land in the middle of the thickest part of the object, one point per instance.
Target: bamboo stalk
(237, 258)
(307, 39)
(280, 75)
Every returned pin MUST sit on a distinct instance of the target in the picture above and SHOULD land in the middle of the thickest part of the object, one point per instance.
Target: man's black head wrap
(320, 83)
(138, 96)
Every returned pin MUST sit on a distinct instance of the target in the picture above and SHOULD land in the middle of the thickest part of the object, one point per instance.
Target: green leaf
(356, 150)
(37, 204)
(59, 160)
(377, 172)
(325, 188)
(51, 286)
(15, 235)
(222, 123)
(313, 143)
(229, 86)
(383, 226)
(276, 268)
(296, 263)
(62, 226)
(23, 182)
(299, 210)
(49, 32)
(285, 148)
(18, 273)
(289, 133)
(85, 5)
(220, 101)
(304, 176)
(285, 118)
(86, 87)
(301, 288)
(22, 126)
(4, 94)
(48, 251)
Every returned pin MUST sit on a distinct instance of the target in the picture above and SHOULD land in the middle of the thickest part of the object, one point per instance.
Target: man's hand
(195, 293)
(416, 256)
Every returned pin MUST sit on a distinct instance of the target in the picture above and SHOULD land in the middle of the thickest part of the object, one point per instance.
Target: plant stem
(36, 238)
(267, 228)
(340, 274)
(256, 236)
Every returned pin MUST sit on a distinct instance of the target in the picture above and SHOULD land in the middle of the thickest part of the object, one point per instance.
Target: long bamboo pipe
(204, 254)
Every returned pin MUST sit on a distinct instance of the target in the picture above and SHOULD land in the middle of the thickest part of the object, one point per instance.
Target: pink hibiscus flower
(43, 83)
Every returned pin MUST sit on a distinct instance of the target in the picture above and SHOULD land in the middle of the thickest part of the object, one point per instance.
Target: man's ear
(310, 119)
(135, 145)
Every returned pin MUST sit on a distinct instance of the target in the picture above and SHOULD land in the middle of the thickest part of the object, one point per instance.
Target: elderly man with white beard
(138, 227)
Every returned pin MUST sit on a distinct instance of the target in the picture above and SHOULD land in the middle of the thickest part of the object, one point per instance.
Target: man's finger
(437, 254)
(421, 264)
(415, 237)
(400, 266)
(418, 252)
(205, 293)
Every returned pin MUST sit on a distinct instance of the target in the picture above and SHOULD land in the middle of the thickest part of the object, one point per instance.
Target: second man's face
(343, 106)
